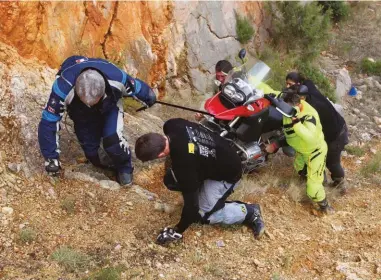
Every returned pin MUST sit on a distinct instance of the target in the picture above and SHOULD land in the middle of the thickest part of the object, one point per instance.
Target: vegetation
(109, 273)
(244, 29)
(27, 235)
(339, 10)
(355, 150)
(371, 67)
(313, 73)
(302, 28)
(70, 259)
(280, 66)
(68, 204)
(373, 166)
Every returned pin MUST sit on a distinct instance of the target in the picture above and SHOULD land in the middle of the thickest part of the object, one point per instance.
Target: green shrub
(68, 204)
(339, 10)
(355, 150)
(70, 259)
(370, 67)
(314, 74)
(373, 166)
(280, 66)
(109, 273)
(27, 235)
(244, 29)
(300, 27)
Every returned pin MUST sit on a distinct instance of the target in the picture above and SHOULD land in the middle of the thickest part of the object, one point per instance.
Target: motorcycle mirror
(242, 54)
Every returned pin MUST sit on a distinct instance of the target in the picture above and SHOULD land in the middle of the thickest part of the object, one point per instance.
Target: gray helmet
(90, 87)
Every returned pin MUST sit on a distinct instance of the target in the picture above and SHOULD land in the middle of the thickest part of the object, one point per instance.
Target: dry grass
(373, 166)
(68, 204)
(27, 235)
(70, 259)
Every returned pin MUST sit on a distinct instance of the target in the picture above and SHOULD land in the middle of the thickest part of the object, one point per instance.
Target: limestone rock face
(172, 45)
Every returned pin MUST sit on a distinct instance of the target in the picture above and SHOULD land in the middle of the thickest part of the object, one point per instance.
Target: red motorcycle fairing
(214, 106)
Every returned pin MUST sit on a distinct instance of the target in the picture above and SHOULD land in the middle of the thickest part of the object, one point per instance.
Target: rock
(369, 82)
(363, 88)
(343, 84)
(90, 194)
(110, 185)
(377, 85)
(52, 193)
(220, 243)
(144, 193)
(199, 80)
(159, 206)
(118, 247)
(14, 167)
(168, 208)
(356, 111)
(129, 203)
(373, 151)
(7, 211)
(377, 120)
(370, 59)
(3, 130)
(358, 162)
(365, 137)
(258, 263)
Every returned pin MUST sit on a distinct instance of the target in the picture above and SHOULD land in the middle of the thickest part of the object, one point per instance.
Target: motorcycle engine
(252, 155)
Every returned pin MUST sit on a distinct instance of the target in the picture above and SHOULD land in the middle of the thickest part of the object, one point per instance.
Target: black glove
(151, 98)
(168, 235)
(52, 166)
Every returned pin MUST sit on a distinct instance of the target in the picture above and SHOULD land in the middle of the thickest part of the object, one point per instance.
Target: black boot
(124, 179)
(325, 208)
(339, 183)
(254, 220)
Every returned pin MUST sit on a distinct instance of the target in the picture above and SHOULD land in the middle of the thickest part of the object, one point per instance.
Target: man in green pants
(304, 133)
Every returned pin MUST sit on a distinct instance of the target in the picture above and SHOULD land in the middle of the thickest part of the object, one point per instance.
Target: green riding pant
(315, 163)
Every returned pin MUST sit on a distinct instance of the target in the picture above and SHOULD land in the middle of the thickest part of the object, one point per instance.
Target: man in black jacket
(206, 170)
(334, 126)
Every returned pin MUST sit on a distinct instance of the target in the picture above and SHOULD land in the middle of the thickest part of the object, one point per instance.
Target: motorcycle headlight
(230, 92)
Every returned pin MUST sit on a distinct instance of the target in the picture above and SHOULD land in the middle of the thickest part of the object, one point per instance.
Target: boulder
(343, 84)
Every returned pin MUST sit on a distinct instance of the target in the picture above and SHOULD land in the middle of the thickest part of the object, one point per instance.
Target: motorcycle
(244, 115)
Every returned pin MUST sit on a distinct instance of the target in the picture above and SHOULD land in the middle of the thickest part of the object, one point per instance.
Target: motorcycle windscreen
(258, 74)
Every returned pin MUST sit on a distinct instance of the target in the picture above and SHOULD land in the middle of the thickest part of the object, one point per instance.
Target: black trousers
(334, 154)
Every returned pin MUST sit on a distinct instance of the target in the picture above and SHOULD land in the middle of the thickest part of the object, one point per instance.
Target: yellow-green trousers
(315, 163)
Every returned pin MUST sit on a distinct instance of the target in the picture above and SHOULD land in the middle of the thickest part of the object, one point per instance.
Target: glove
(168, 235)
(151, 97)
(52, 166)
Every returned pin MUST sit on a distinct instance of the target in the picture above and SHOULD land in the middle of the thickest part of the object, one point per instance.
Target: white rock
(343, 84)
(377, 84)
(362, 88)
(110, 185)
(365, 136)
(220, 243)
(52, 193)
(7, 210)
(14, 167)
(373, 151)
(377, 120)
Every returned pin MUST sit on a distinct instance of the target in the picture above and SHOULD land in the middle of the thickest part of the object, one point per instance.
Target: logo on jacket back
(80, 60)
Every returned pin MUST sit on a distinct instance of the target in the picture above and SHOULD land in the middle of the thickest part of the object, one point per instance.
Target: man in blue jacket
(91, 90)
